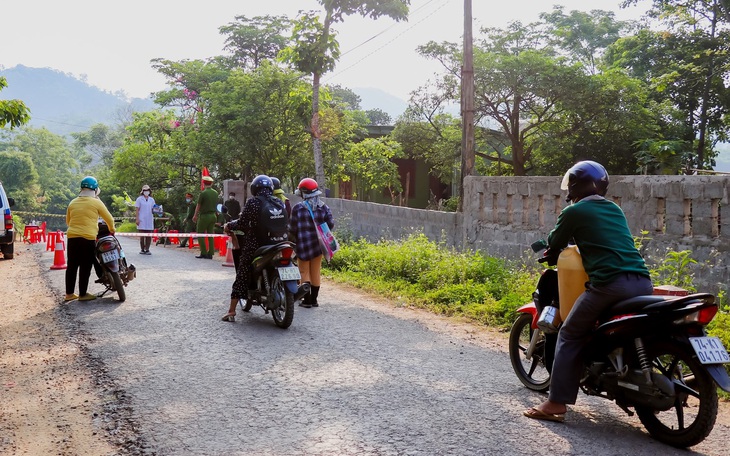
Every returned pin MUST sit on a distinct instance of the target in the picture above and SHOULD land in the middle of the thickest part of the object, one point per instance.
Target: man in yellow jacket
(82, 218)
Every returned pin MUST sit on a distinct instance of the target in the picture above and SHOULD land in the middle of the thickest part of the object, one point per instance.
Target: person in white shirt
(145, 220)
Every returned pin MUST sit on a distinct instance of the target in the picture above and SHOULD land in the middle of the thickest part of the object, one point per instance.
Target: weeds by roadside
(420, 272)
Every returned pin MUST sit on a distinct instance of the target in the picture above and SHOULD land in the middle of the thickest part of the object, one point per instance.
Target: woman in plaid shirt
(303, 232)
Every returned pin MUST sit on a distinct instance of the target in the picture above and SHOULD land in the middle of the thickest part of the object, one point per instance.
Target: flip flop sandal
(537, 414)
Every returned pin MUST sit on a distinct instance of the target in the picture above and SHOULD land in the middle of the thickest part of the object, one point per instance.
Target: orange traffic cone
(59, 256)
(229, 255)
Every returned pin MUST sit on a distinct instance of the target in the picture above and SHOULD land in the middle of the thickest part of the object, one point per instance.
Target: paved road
(342, 380)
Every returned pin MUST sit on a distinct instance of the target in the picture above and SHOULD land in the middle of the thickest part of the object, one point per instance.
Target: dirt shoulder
(50, 402)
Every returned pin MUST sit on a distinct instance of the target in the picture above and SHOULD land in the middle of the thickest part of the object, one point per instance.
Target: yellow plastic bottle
(571, 279)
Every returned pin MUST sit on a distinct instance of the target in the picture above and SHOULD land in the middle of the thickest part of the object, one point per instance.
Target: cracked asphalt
(346, 378)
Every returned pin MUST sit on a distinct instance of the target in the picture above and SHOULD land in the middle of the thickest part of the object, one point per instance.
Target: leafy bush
(127, 227)
(429, 275)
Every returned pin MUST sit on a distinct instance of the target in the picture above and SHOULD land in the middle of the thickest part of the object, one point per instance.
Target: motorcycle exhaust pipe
(302, 291)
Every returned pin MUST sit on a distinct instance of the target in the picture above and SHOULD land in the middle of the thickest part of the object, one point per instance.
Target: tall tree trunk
(518, 146)
(702, 140)
(316, 142)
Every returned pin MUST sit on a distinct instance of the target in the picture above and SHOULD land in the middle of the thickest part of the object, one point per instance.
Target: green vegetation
(416, 271)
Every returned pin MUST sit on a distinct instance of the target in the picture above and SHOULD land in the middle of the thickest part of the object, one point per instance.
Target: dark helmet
(585, 178)
(260, 182)
(89, 182)
(277, 183)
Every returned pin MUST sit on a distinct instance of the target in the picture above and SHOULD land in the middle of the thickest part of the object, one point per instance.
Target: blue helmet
(585, 178)
(260, 182)
(89, 182)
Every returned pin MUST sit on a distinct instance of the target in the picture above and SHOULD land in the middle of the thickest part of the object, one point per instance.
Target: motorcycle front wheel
(284, 314)
(118, 286)
(531, 371)
(693, 415)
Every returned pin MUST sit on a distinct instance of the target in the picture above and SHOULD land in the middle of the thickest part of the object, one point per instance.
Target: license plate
(289, 273)
(109, 256)
(710, 350)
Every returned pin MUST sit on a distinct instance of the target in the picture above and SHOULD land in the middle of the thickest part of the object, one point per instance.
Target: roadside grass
(421, 273)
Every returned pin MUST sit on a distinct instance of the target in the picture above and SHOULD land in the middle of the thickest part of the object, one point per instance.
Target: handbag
(327, 241)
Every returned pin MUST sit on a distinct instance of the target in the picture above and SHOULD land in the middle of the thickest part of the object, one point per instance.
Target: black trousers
(80, 253)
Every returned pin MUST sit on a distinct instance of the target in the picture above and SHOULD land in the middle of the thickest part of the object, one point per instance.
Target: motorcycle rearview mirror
(539, 245)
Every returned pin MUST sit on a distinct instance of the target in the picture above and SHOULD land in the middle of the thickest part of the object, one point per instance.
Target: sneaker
(70, 297)
(141, 252)
(305, 304)
(147, 252)
(87, 297)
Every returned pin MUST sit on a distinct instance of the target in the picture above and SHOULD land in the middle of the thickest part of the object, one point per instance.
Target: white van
(6, 229)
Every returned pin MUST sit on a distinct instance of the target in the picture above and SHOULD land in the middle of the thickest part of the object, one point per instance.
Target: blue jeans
(577, 328)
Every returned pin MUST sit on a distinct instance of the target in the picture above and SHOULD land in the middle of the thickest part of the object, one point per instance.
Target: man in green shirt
(205, 218)
(615, 268)
(187, 223)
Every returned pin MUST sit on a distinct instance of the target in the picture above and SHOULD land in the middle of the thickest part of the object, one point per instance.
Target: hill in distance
(64, 104)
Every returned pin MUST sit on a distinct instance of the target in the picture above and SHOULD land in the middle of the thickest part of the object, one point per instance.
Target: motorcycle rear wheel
(284, 314)
(118, 286)
(531, 372)
(693, 415)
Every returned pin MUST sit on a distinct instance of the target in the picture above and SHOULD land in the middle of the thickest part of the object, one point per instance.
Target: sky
(110, 44)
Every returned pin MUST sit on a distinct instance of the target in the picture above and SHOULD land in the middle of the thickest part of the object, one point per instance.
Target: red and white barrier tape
(170, 235)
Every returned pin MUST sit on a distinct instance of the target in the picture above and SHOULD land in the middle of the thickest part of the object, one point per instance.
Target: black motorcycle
(649, 353)
(115, 272)
(274, 288)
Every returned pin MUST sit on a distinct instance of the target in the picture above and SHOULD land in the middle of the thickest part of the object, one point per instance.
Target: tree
(256, 122)
(370, 163)
(378, 117)
(519, 84)
(689, 62)
(20, 178)
(346, 96)
(12, 112)
(253, 41)
(428, 133)
(100, 141)
(582, 36)
(316, 51)
(57, 165)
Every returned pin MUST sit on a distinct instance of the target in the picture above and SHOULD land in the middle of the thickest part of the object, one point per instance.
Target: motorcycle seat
(655, 303)
(263, 250)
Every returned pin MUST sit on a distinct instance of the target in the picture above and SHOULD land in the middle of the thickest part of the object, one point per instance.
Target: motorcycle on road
(115, 272)
(648, 353)
(274, 288)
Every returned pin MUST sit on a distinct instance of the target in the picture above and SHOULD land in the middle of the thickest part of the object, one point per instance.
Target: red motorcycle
(648, 353)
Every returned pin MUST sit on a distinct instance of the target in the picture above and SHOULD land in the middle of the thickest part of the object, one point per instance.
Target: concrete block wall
(504, 215)
(374, 221)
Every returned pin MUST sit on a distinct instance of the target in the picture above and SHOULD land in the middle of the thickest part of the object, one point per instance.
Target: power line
(387, 43)
(60, 123)
(384, 30)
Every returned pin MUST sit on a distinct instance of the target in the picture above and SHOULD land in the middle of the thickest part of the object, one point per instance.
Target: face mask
(187, 200)
(146, 193)
(231, 197)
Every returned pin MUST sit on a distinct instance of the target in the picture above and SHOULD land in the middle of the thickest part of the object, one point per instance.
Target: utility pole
(467, 103)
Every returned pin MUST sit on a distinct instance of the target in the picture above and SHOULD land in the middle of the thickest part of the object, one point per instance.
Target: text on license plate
(111, 255)
(710, 350)
(290, 273)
